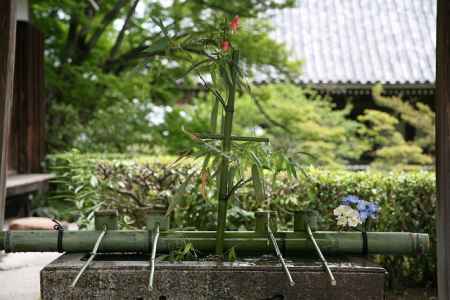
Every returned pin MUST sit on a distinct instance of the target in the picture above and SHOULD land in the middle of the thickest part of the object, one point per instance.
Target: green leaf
(258, 184)
(194, 66)
(179, 194)
(256, 159)
(93, 181)
(232, 254)
(158, 46)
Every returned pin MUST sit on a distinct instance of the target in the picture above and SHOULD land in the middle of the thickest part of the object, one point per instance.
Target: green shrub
(407, 199)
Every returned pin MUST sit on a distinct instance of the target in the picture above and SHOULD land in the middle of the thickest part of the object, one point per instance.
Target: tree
(117, 56)
(389, 146)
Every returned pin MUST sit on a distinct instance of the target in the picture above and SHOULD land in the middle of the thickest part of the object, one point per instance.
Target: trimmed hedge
(407, 199)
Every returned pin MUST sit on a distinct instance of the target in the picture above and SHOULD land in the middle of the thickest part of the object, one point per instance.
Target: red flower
(234, 24)
(225, 45)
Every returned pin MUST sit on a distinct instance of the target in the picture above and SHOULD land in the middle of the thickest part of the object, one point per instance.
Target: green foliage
(101, 62)
(185, 253)
(77, 185)
(388, 145)
(231, 254)
(419, 116)
(89, 182)
(301, 123)
(407, 200)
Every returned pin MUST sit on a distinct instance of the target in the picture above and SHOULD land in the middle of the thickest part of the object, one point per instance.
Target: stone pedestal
(127, 278)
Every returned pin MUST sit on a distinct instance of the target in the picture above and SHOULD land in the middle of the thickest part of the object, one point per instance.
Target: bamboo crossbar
(245, 242)
(205, 136)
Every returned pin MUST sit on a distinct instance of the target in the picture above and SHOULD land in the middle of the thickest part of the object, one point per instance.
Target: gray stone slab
(19, 274)
(128, 279)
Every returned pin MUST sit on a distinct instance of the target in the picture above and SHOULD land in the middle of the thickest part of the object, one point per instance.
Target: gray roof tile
(360, 41)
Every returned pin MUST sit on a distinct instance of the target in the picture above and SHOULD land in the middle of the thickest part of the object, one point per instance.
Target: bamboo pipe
(245, 242)
(152, 258)
(273, 240)
(91, 258)
(322, 258)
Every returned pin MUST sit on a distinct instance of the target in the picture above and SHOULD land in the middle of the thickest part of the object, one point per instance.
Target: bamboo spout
(106, 218)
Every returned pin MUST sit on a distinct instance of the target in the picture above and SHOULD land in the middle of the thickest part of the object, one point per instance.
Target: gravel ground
(19, 274)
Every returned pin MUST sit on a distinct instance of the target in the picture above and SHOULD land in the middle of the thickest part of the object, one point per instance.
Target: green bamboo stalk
(295, 244)
(226, 148)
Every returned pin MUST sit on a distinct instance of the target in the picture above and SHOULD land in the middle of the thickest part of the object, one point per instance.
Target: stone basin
(126, 277)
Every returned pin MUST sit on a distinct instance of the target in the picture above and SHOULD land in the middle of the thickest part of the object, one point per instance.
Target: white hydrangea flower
(346, 215)
(341, 221)
(354, 220)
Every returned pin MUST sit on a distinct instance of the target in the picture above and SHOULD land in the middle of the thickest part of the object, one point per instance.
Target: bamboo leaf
(258, 184)
(207, 145)
(206, 161)
(158, 46)
(256, 159)
(93, 181)
(226, 76)
(179, 194)
(204, 181)
(194, 66)
(291, 166)
(161, 26)
(214, 75)
(180, 158)
(232, 254)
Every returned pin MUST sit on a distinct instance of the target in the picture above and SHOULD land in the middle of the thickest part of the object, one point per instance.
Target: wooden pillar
(27, 132)
(443, 147)
(7, 49)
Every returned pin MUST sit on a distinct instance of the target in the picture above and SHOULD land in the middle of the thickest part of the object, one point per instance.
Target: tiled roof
(361, 41)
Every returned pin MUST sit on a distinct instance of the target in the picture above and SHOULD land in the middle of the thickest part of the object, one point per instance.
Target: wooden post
(27, 131)
(443, 147)
(7, 50)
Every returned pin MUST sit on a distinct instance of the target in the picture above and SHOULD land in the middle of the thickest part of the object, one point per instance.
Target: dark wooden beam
(7, 50)
(27, 132)
(443, 147)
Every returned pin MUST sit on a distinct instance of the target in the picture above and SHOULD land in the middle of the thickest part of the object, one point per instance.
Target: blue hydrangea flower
(367, 209)
(373, 209)
(350, 199)
(364, 208)
(363, 215)
(362, 205)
